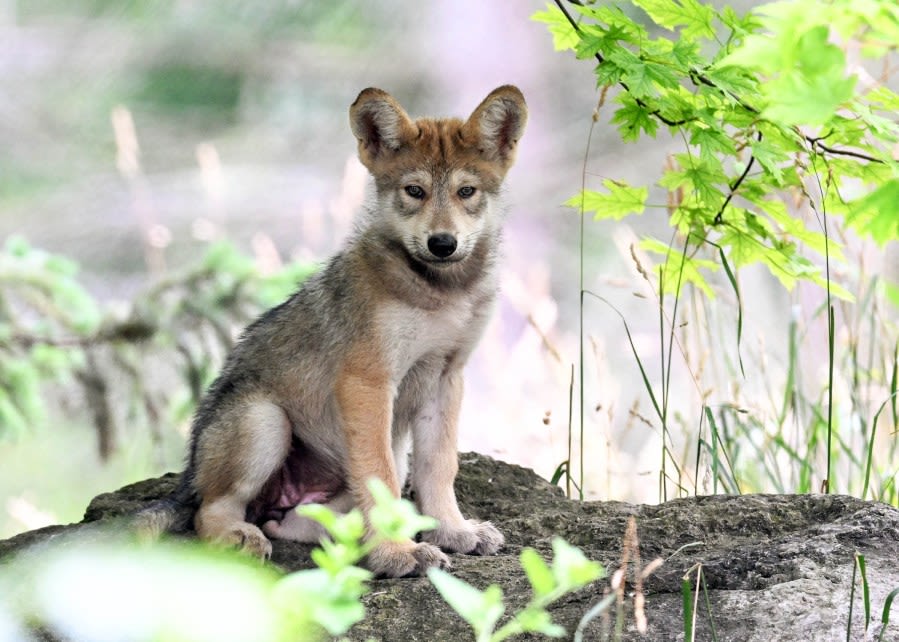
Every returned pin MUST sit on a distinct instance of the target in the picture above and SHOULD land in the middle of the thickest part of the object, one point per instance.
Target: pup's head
(435, 177)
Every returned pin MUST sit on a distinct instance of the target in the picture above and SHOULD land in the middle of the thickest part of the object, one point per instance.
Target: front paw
(405, 559)
(473, 538)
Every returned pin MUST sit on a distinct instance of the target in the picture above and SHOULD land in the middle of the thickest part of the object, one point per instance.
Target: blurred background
(136, 133)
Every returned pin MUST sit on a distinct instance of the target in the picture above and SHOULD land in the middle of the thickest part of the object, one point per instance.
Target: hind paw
(248, 539)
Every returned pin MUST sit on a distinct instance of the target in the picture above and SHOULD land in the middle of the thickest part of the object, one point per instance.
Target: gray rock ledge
(778, 567)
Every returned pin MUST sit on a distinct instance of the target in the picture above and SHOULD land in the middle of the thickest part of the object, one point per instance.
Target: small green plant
(338, 580)
(569, 571)
(329, 597)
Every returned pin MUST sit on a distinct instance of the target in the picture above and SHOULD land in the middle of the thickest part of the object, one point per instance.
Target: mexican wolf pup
(333, 386)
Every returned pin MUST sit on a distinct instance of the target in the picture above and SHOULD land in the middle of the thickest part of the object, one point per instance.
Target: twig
(734, 186)
(131, 331)
(841, 152)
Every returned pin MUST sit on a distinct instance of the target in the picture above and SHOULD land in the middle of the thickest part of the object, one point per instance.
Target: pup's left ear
(498, 123)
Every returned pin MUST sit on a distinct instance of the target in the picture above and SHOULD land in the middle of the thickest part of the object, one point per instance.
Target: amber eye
(466, 191)
(415, 191)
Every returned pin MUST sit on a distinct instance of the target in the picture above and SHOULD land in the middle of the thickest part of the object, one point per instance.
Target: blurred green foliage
(52, 331)
(178, 86)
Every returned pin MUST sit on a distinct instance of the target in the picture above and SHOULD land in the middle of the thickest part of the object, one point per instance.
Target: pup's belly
(304, 478)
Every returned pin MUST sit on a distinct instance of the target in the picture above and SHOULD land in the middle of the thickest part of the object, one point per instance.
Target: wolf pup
(336, 384)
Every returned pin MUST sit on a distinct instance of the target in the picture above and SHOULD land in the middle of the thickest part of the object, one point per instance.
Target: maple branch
(841, 152)
(699, 78)
(654, 112)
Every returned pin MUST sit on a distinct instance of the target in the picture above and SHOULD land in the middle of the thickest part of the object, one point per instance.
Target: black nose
(442, 245)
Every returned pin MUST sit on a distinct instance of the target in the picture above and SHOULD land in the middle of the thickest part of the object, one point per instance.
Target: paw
(473, 538)
(295, 528)
(248, 539)
(405, 559)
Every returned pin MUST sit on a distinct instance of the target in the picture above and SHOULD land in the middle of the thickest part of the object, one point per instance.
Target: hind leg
(236, 454)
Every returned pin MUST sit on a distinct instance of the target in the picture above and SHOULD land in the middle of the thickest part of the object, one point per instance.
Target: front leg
(434, 467)
(365, 400)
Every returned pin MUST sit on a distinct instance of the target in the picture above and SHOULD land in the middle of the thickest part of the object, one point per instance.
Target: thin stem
(581, 289)
(828, 481)
(734, 186)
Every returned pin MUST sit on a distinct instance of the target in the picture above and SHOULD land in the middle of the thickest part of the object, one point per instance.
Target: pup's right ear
(379, 124)
(498, 123)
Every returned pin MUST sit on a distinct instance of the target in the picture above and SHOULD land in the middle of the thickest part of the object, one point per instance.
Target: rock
(776, 567)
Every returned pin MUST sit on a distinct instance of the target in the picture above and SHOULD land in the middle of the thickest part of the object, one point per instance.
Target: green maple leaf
(679, 269)
(772, 157)
(694, 17)
(712, 141)
(884, 98)
(621, 201)
(797, 100)
(565, 36)
(878, 213)
(639, 83)
(699, 175)
(632, 117)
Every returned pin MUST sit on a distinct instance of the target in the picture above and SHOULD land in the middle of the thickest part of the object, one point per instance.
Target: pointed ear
(379, 124)
(498, 123)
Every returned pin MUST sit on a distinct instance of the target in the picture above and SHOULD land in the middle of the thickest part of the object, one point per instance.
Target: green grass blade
(686, 591)
(870, 456)
(894, 380)
(708, 608)
(561, 469)
(790, 392)
(730, 475)
(866, 593)
(736, 288)
(851, 603)
(885, 618)
(714, 453)
(630, 340)
(830, 352)
(699, 442)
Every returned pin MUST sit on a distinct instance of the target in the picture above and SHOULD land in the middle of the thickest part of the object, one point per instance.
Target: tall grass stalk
(828, 480)
(666, 358)
(581, 292)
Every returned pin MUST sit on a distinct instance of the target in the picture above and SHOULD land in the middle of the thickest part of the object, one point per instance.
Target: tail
(172, 514)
